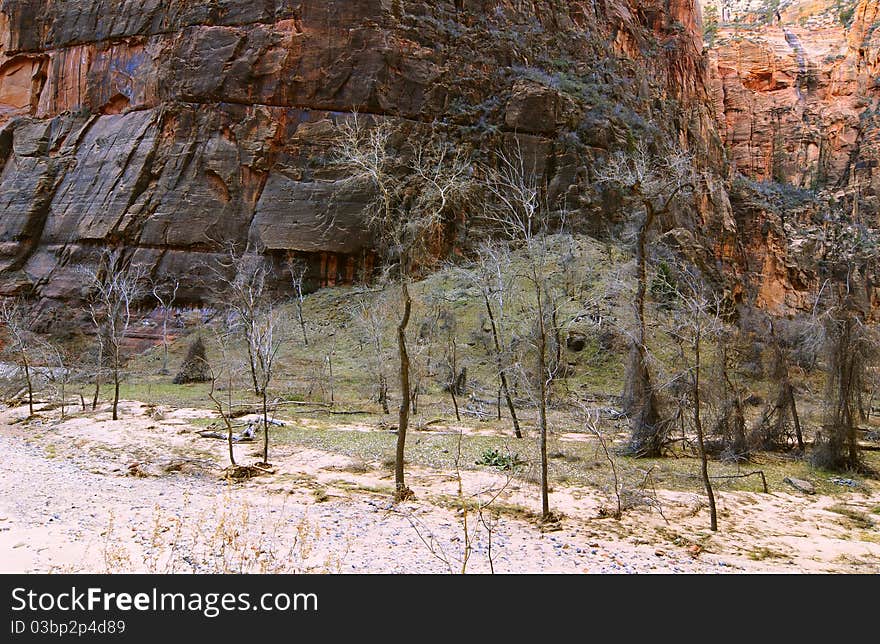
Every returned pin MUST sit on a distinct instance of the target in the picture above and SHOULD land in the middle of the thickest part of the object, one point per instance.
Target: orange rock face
(796, 98)
(172, 127)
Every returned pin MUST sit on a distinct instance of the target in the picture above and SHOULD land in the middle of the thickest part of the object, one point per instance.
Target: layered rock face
(171, 127)
(797, 96)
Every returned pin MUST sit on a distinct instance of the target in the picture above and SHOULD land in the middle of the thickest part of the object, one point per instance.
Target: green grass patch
(859, 518)
(762, 552)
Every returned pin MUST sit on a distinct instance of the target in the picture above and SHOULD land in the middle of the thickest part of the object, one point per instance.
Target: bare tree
(368, 316)
(266, 335)
(697, 321)
(165, 294)
(421, 351)
(260, 323)
(298, 270)
(241, 291)
(112, 289)
(589, 419)
(457, 378)
(58, 369)
(730, 422)
(478, 504)
(330, 382)
(780, 418)
(850, 345)
(14, 317)
(100, 347)
(518, 206)
(223, 337)
(850, 264)
(491, 274)
(654, 183)
(417, 195)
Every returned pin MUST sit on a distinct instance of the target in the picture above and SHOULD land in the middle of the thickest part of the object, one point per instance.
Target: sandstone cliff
(170, 127)
(796, 99)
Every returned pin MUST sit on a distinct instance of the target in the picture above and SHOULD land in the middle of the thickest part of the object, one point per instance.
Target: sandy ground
(145, 494)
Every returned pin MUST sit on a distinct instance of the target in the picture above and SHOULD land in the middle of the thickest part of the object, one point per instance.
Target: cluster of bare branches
(518, 206)
(113, 288)
(654, 183)
(20, 344)
(420, 187)
(165, 293)
(476, 513)
(254, 316)
(368, 314)
(491, 274)
(696, 323)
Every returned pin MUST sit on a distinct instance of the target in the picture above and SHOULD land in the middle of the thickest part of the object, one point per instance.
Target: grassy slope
(596, 376)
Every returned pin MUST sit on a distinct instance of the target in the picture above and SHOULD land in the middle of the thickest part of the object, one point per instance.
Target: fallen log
(742, 476)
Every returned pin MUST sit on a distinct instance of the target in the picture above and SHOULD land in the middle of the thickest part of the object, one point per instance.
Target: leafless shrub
(418, 194)
(368, 315)
(112, 290)
(654, 183)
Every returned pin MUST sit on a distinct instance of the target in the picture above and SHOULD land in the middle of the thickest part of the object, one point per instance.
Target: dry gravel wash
(70, 503)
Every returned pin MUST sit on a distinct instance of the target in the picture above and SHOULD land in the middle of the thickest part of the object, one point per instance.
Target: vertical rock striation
(174, 127)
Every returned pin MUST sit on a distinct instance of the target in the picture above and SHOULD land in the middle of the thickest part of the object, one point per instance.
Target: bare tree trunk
(794, 415)
(63, 392)
(455, 404)
(698, 424)
(640, 400)
(501, 371)
(225, 417)
(98, 373)
(381, 380)
(116, 385)
(557, 338)
(542, 402)
(732, 401)
(402, 492)
(330, 373)
(165, 340)
(302, 321)
(383, 394)
(30, 385)
(453, 387)
(849, 390)
(265, 428)
(510, 407)
(252, 361)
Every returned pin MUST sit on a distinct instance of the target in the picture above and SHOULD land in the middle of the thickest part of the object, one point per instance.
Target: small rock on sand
(801, 485)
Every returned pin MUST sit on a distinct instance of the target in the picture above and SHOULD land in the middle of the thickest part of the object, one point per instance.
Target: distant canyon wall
(797, 99)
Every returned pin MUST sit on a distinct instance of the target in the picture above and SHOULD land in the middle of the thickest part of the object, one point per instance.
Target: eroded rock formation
(797, 97)
(171, 127)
